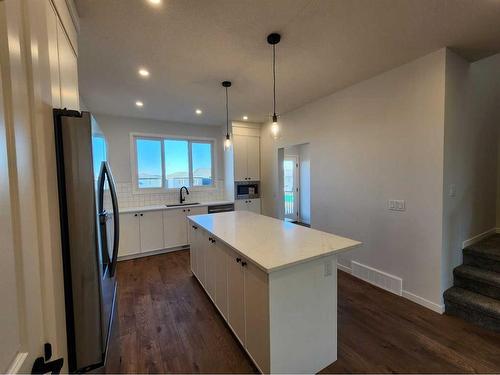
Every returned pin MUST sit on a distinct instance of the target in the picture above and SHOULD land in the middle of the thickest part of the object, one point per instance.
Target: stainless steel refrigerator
(89, 236)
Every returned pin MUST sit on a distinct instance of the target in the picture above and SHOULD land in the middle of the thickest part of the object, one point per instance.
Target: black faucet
(182, 199)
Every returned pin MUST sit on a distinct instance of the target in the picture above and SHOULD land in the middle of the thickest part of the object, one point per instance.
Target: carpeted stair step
(473, 307)
(478, 280)
(484, 254)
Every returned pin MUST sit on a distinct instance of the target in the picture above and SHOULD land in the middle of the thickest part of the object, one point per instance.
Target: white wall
(377, 140)
(470, 154)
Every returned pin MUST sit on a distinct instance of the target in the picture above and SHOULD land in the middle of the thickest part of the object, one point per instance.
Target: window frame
(134, 168)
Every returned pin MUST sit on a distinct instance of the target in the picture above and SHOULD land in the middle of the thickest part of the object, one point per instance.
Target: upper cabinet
(63, 58)
(246, 146)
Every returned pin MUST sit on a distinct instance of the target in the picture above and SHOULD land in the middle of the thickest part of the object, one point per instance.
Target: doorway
(295, 184)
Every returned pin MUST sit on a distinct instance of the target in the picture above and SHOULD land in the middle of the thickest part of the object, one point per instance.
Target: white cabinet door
(193, 237)
(210, 266)
(241, 205)
(174, 228)
(254, 205)
(151, 228)
(221, 255)
(240, 157)
(130, 239)
(236, 295)
(201, 245)
(257, 315)
(196, 210)
(253, 158)
(68, 71)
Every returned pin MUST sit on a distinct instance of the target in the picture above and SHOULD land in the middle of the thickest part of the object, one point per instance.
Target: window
(98, 153)
(171, 163)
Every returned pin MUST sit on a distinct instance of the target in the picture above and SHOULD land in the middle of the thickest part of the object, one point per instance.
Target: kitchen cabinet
(246, 157)
(221, 255)
(210, 266)
(151, 230)
(130, 239)
(252, 205)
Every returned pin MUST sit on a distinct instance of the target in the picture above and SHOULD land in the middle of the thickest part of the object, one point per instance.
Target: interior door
(291, 187)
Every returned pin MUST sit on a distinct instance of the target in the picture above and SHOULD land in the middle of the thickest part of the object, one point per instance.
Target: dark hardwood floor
(167, 324)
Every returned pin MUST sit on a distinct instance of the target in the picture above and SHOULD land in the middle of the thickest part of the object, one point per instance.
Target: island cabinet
(239, 290)
(275, 284)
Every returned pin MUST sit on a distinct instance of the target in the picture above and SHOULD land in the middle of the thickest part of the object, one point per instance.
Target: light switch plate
(396, 205)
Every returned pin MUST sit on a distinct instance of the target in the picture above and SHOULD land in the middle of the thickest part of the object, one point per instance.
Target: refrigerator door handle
(106, 172)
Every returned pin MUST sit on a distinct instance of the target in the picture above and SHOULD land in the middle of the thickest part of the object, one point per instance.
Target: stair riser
(472, 316)
(477, 287)
(480, 262)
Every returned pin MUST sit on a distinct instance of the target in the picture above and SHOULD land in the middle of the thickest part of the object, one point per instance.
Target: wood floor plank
(167, 323)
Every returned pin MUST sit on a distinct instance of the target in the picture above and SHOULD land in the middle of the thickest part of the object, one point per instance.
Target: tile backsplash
(127, 199)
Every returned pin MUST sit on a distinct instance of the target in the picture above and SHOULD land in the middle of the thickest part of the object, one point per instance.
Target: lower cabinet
(238, 288)
(146, 231)
(130, 238)
(252, 205)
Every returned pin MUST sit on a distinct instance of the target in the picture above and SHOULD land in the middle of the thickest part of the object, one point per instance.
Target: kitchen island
(275, 283)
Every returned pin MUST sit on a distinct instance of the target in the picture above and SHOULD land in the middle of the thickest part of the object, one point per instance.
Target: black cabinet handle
(183, 210)
(189, 210)
(213, 240)
(142, 215)
(238, 260)
(210, 239)
(194, 226)
(135, 215)
(243, 264)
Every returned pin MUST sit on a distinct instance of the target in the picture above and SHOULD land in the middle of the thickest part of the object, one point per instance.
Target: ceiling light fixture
(245, 118)
(139, 103)
(274, 39)
(155, 2)
(143, 72)
(227, 142)
(199, 111)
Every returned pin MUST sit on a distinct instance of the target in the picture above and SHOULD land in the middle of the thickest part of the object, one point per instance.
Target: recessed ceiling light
(143, 72)
(245, 118)
(199, 111)
(139, 103)
(155, 2)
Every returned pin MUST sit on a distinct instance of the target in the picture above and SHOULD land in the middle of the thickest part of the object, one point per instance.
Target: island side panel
(303, 316)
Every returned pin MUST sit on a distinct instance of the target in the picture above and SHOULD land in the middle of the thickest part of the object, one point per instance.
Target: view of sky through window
(149, 163)
(179, 168)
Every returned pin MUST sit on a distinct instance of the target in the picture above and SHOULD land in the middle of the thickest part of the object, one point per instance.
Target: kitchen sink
(182, 204)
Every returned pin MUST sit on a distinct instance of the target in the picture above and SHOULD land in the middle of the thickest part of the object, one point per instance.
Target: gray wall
(380, 139)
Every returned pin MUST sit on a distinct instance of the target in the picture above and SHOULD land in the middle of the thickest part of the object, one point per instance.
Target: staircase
(475, 295)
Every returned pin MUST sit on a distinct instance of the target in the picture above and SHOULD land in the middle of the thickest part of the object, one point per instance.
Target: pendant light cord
(227, 114)
(274, 79)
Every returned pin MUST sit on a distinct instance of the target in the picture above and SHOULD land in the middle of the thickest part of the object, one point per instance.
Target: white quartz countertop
(164, 207)
(270, 243)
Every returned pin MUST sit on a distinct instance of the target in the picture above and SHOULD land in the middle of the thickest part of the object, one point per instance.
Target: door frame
(296, 187)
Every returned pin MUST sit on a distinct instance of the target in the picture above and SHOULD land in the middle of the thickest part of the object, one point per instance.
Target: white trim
(423, 302)
(17, 363)
(344, 268)
(405, 294)
(479, 237)
(152, 252)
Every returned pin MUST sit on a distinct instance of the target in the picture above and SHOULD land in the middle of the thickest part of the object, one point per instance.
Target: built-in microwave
(247, 190)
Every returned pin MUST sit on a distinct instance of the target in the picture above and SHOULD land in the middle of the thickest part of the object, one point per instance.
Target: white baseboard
(424, 302)
(479, 237)
(405, 294)
(343, 268)
(377, 277)
(154, 252)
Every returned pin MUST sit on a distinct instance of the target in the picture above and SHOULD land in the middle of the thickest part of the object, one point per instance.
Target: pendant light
(274, 39)
(227, 142)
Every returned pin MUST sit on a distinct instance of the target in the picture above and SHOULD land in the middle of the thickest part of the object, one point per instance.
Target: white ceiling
(190, 46)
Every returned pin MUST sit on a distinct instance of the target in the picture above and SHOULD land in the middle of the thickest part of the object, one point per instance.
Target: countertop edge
(127, 210)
